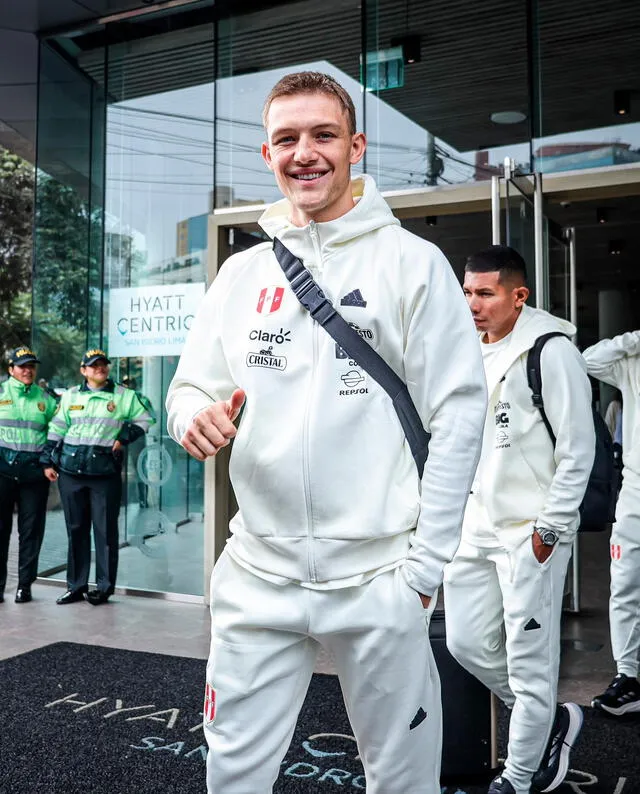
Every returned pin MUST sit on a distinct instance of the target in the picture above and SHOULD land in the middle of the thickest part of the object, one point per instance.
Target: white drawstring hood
(522, 480)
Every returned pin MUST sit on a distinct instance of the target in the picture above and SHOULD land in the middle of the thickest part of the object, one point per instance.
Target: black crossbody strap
(314, 301)
(534, 377)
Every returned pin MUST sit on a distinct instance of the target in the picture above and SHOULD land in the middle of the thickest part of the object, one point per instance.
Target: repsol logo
(266, 360)
(347, 392)
(264, 336)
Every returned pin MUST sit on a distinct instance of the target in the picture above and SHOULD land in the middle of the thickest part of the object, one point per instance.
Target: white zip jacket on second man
(617, 362)
(521, 480)
(327, 487)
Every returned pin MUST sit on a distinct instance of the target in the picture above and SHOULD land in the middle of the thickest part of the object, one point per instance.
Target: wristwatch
(549, 537)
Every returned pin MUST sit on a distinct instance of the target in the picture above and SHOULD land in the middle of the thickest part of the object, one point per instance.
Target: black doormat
(79, 718)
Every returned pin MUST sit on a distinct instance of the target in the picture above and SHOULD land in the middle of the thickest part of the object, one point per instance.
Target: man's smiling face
(311, 150)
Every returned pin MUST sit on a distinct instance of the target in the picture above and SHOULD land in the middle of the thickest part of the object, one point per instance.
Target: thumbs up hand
(213, 428)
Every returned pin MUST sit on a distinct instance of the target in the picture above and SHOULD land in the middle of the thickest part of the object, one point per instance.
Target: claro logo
(279, 338)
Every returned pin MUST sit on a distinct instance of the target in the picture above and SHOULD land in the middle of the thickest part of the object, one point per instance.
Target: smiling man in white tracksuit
(617, 362)
(503, 590)
(336, 543)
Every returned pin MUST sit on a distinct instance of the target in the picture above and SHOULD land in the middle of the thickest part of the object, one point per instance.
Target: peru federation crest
(270, 300)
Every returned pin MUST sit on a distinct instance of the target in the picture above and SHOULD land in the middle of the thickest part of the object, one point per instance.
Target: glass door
(518, 220)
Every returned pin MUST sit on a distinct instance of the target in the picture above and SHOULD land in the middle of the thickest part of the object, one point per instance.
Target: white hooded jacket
(522, 481)
(617, 362)
(326, 485)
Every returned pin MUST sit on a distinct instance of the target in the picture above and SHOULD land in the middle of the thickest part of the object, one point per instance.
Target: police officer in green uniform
(86, 436)
(25, 412)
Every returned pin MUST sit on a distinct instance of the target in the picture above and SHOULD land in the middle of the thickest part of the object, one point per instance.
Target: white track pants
(264, 644)
(503, 625)
(624, 605)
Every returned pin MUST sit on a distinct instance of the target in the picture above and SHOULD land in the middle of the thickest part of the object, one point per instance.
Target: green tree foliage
(66, 253)
(16, 213)
(67, 257)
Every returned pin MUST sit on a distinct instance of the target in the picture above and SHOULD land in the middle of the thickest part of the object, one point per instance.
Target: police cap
(21, 356)
(93, 355)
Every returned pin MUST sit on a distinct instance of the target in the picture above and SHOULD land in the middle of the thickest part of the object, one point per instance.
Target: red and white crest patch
(616, 551)
(209, 703)
(270, 300)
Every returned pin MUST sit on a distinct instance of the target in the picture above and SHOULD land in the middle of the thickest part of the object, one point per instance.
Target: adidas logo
(532, 625)
(421, 716)
(354, 299)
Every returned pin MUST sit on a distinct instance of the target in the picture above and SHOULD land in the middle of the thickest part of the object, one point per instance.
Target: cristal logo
(266, 358)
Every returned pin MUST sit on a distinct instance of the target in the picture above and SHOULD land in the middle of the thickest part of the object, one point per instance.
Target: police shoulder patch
(42, 407)
(111, 406)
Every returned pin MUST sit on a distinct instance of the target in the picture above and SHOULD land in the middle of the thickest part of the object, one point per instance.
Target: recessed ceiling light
(508, 117)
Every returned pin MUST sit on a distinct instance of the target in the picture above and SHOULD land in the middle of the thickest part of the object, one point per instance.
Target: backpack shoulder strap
(313, 299)
(534, 377)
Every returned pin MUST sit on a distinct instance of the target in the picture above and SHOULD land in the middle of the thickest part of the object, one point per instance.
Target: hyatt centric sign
(152, 321)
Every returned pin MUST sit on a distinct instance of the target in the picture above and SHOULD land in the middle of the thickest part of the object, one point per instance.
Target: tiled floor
(171, 627)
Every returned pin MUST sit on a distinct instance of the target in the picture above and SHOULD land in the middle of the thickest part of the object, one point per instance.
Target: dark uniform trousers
(87, 500)
(31, 498)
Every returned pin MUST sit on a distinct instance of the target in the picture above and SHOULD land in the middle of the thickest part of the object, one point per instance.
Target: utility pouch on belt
(322, 311)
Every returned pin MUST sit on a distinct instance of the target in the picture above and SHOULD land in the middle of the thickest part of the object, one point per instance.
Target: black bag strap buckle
(313, 299)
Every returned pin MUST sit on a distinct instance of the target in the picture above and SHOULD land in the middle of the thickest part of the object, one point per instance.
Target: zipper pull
(315, 239)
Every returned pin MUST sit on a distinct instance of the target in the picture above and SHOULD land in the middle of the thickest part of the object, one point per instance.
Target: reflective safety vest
(25, 412)
(87, 424)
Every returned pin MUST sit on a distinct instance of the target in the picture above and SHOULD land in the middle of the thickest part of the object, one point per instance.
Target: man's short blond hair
(311, 83)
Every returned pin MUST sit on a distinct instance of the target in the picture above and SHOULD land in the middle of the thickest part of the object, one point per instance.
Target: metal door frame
(529, 186)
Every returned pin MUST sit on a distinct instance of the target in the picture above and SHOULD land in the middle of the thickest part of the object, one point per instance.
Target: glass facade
(149, 125)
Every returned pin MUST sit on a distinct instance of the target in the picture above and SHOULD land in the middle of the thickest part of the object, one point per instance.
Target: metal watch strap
(548, 536)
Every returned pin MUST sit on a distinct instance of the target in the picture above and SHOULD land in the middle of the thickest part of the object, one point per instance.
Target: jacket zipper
(313, 576)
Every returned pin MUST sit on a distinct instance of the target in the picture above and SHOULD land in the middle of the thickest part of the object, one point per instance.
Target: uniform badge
(42, 407)
(111, 406)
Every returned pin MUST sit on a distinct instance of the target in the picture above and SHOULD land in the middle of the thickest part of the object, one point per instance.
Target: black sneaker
(622, 696)
(555, 761)
(500, 785)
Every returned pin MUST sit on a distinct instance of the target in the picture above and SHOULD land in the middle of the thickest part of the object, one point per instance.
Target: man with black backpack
(343, 530)
(504, 588)
(617, 362)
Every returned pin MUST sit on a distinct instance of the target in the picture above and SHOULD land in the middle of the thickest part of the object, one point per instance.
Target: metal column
(573, 316)
(538, 233)
(495, 210)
